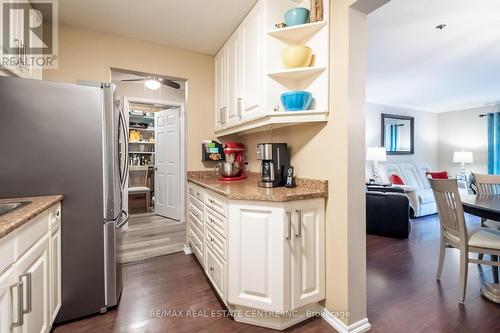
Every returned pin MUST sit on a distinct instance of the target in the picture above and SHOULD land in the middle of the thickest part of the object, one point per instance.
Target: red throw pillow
(396, 180)
(437, 174)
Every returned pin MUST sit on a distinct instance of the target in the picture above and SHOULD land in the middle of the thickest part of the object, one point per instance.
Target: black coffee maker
(275, 163)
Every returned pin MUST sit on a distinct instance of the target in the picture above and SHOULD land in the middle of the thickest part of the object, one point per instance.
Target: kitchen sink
(8, 207)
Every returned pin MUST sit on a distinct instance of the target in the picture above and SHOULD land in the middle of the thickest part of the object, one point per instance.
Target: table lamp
(463, 157)
(376, 154)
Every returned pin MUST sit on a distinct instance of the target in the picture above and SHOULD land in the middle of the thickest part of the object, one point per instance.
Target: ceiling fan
(154, 83)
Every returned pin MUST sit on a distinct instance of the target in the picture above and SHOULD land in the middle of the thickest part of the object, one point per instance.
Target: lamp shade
(463, 157)
(377, 154)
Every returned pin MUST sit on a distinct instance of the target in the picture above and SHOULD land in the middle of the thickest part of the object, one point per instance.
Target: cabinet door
(33, 71)
(251, 64)
(33, 270)
(9, 299)
(15, 40)
(258, 273)
(216, 272)
(55, 271)
(307, 258)
(220, 88)
(233, 111)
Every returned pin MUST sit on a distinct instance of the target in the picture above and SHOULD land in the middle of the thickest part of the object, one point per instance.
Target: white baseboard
(358, 327)
(187, 249)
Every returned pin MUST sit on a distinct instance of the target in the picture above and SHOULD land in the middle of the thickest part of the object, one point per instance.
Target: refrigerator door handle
(123, 221)
(123, 173)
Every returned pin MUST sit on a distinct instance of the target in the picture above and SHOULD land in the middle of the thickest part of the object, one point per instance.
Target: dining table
(487, 207)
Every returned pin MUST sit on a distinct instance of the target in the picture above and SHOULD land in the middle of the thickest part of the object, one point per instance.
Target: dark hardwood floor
(404, 296)
(171, 282)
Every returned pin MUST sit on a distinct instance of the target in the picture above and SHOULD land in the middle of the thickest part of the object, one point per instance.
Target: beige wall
(89, 55)
(335, 151)
(464, 130)
(426, 133)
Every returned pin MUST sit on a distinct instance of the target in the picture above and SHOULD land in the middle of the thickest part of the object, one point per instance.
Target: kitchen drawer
(216, 243)
(216, 202)
(195, 202)
(195, 209)
(19, 241)
(196, 192)
(54, 215)
(195, 223)
(197, 246)
(217, 222)
(216, 270)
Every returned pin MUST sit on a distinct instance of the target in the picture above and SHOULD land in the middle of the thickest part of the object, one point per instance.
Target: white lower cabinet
(257, 253)
(216, 270)
(276, 254)
(307, 255)
(264, 256)
(55, 271)
(30, 289)
(33, 271)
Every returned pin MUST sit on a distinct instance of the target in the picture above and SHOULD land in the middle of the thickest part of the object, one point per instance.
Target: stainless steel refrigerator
(69, 139)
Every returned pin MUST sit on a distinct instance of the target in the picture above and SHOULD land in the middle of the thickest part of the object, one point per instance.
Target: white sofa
(417, 186)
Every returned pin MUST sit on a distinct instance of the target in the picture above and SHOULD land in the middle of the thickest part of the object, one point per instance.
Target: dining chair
(488, 185)
(138, 180)
(454, 233)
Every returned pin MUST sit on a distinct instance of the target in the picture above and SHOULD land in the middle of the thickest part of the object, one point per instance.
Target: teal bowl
(296, 100)
(296, 16)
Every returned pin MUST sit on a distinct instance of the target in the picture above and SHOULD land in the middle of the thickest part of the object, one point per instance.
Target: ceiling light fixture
(152, 84)
(440, 27)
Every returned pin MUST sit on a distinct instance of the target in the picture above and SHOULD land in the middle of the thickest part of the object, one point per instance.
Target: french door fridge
(68, 139)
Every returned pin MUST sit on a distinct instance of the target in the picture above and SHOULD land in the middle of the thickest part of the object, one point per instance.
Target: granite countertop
(19, 216)
(247, 189)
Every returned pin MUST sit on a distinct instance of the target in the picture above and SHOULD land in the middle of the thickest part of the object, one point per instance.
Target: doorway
(154, 156)
(153, 194)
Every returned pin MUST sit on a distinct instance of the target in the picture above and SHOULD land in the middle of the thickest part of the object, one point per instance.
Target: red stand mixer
(232, 168)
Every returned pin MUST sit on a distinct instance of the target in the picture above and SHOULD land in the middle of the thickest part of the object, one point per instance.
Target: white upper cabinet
(250, 100)
(20, 63)
(250, 76)
(232, 49)
(220, 88)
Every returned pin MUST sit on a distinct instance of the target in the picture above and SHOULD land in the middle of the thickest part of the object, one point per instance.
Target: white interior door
(167, 159)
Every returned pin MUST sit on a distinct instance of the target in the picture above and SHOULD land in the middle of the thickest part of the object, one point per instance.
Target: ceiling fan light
(152, 84)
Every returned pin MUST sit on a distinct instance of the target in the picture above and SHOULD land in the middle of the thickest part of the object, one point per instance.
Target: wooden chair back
(450, 209)
(487, 184)
(138, 176)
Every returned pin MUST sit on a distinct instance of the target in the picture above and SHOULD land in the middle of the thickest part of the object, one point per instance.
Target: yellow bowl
(297, 56)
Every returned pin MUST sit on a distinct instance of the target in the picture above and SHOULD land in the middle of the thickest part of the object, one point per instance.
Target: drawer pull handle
(20, 300)
(299, 233)
(28, 292)
(211, 269)
(289, 233)
(192, 212)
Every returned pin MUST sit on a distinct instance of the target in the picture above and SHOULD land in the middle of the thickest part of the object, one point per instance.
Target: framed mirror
(397, 134)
